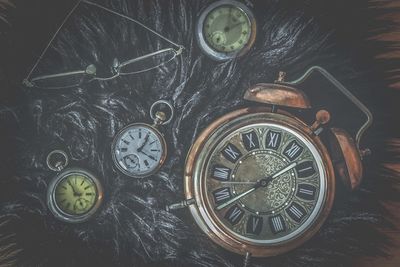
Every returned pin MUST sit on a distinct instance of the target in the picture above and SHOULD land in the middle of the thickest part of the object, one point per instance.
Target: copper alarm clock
(259, 180)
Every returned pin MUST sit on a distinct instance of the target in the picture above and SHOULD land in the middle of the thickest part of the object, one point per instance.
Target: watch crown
(160, 117)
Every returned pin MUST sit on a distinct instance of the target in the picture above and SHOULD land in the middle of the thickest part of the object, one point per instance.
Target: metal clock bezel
(156, 132)
(211, 226)
(57, 211)
(221, 56)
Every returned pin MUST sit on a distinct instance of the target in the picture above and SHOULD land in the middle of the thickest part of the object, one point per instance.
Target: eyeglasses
(128, 67)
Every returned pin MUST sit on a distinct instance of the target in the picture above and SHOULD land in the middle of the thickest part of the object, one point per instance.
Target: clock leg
(247, 258)
(180, 205)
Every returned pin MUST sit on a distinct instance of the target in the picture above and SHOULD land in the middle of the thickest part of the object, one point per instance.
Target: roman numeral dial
(296, 212)
(220, 172)
(262, 182)
(305, 169)
(221, 195)
(231, 153)
(277, 224)
(250, 141)
(254, 225)
(234, 215)
(293, 150)
(306, 191)
(273, 140)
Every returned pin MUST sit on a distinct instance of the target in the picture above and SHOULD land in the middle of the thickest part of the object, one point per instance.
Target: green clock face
(227, 28)
(75, 194)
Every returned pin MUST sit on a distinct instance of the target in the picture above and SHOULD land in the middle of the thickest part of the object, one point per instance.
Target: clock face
(264, 183)
(139, 150)
(76, 194)
(226, 29)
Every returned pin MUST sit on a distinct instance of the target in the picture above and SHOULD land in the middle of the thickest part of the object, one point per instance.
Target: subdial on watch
(131, 161)
(218, 38)
(81, 204)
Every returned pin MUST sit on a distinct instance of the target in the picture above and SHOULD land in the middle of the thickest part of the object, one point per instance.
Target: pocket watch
(226, 29)
(139, 149)
(75, 194)
(260, 181)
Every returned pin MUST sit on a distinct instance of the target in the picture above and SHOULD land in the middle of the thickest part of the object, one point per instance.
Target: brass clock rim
(58, 212)
(207, 49)
(162, 141)
(223, 238)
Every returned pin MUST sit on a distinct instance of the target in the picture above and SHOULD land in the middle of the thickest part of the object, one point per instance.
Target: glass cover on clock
(264, 183)
(138, 150)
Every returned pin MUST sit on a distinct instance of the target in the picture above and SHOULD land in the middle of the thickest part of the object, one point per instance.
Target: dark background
(350, 51)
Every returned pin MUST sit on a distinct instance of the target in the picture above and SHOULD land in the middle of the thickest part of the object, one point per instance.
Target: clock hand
(228, 182)
(228, 29)
(150, 156)
(220, 207)
(287, 168)
(229, 18)
(261, 183)
(73, 189)
(146, 139)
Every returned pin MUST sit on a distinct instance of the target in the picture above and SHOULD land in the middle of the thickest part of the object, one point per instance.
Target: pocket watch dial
(139, 150)
(227, 28)
(75, 194)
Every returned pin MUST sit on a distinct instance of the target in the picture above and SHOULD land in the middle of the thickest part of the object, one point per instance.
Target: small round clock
(139, 149)
(226, 29)
(74, 195)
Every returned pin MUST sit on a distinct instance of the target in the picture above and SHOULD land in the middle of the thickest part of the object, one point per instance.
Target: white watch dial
(138, 150)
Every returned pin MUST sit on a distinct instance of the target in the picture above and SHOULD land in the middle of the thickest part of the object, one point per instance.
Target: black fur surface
(132, 228)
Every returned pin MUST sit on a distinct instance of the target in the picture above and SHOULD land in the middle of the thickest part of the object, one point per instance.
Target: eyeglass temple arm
(346, 92)
(90, 70)
(176, 52)
(26, 80)
(133, 20)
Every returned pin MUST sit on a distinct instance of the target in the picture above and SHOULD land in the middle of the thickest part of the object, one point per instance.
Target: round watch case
(150, 128)
(222, 56)
(194, 181)
(51, 197)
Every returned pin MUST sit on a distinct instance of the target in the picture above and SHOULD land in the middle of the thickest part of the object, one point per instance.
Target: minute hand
(287, 168)
(220, 207)
(262, 183)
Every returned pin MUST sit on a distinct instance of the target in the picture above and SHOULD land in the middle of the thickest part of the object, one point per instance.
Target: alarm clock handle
(347, 93)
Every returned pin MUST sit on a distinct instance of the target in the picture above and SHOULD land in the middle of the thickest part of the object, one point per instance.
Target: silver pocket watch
(74, 194)
(139, 149)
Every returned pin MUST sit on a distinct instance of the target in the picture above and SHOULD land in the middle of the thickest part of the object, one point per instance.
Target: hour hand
(149, 156)
(146, 139)
(76, 194)
(223, 205)
(235, 25)
(261, 183)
